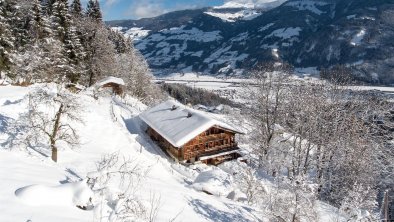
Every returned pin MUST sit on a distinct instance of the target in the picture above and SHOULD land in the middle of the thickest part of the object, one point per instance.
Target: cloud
(152, 8)
(145, 9)
(109, 3)
(250, 1)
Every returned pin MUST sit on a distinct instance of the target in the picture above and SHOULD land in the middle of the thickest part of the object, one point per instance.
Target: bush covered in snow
(216, 182)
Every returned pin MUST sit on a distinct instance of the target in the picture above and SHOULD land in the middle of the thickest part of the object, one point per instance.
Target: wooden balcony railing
(222, 147)
(210, 153)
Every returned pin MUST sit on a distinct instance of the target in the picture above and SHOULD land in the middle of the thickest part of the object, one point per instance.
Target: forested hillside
(54, 41)
(304, 33)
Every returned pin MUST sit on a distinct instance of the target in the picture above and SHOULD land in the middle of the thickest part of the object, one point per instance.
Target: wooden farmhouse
(189, 135)
(114, 84)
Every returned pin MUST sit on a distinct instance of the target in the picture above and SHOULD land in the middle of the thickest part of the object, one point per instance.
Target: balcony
(219, 152)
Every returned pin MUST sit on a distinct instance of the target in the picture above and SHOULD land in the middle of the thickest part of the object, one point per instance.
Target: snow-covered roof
(110, 79)
(175, 125)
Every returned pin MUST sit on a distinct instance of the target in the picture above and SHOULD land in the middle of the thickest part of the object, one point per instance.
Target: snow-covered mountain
(251, 4)
(236, 36)
(232, 11)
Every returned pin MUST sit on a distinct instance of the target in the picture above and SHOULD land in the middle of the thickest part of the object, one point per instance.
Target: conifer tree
(66, 33)
(93, 10)
(6, 41)
(17, 20)
(76, 8)
(75, 54)
(39, 26)
(47, 6)
(60, 19)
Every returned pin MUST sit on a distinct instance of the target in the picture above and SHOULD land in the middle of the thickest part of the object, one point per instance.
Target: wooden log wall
(116, 88)
(212, 140)
(164, 144)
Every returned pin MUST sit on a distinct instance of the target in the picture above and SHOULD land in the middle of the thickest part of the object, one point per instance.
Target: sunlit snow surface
(246, 14)
(104, 132)
(113, 126)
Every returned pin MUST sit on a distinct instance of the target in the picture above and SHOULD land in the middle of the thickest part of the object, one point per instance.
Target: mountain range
(233, 38)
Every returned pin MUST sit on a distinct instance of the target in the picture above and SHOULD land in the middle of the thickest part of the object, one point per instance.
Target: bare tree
(154, 206)
(116, 184)
(134, 70)
(318, 133)
(50, 117)
(267, 95)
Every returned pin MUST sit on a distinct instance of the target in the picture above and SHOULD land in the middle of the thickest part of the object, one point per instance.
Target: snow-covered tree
(319, 133)
(100, 52)
(42, 61)
(66, 33)
(93, 10)
(61, 20)
(52, 112)
(6, 41)
(39, 24)
(268, 98)
(116, 184)
(76, 55)
(122, 44)
(134, 70)
(47, 6)
(76, 8)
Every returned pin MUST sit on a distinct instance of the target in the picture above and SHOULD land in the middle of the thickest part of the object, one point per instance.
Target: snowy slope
(110, 126)
(250, 4)
(232, 11)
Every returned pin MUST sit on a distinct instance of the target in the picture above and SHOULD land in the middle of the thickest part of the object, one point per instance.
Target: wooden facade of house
(116, 88)
(113, 83)
(189, 135)
(213, 146)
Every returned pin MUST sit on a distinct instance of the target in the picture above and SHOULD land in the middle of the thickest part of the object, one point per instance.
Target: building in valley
(189, 135)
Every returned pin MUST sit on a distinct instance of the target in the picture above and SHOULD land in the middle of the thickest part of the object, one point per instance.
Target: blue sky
(134, 9)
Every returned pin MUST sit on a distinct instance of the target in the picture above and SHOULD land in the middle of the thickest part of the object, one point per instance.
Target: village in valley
(91, 129)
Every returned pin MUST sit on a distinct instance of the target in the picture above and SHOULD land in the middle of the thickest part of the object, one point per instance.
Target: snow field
(101, 135)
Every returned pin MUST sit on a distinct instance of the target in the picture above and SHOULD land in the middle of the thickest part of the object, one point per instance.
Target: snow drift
(70, 194)
(216, 182)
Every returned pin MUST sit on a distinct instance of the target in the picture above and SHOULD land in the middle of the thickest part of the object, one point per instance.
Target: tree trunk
(91, 74)
(54, 133)
(54, 154)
